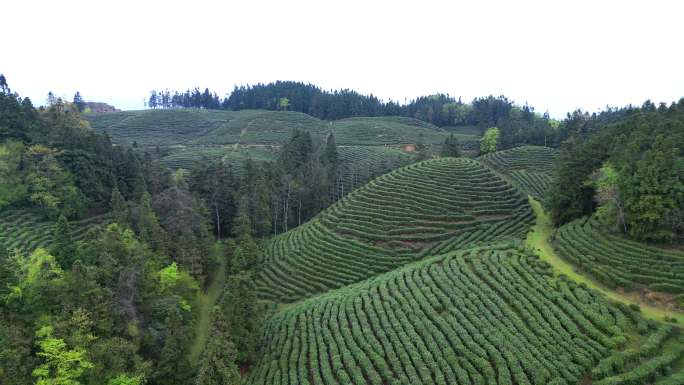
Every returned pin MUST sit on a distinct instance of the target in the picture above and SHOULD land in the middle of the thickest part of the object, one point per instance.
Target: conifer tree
(63, 249)
(173, 367)
(217, 363)
(148, 225)
(119, 207)
(79, 102)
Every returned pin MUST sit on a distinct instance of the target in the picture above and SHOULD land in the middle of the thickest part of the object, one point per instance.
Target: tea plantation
(26, 230)
(184, 157)
(528, 167)
(619, 262)
(219, 127)
(429, 207)
(491, 315)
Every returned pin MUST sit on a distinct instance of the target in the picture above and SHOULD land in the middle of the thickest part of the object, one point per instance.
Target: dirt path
(538, 239)
(206, 303)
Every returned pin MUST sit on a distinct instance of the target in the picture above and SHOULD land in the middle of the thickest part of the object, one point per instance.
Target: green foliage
(642, 191)
(127, 380)
(60, 366)
(147, 224)
(238, 306)
(119, 208)
(490, 140)
(653, 188)
(217, 363)
(12, 188)
(283, 104)
(63, 246)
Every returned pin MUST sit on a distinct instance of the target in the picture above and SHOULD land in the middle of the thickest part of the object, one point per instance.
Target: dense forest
(517, 124)
(627, 165)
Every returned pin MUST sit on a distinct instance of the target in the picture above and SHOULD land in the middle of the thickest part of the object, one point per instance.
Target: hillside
(158, 127)
(489, 315)
(623, 264)
(386, 130)
(528, 167)
(433, 206)
(185, 156)
(258, 127)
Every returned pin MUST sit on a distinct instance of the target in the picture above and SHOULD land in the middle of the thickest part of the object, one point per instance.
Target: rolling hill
(257, 127)
(430, 207)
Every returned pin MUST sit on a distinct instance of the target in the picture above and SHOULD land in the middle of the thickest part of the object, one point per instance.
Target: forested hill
(627, 168)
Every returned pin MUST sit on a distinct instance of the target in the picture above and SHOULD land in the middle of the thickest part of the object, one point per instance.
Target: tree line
(518, 124)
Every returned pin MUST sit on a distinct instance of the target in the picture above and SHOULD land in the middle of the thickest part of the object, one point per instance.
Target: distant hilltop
(99, 107)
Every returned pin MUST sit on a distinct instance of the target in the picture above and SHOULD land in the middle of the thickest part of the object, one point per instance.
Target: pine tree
(239, 306)
(149, 229)
(119, 208)
(217, 363)
(63, 249)
(173, 366)
(79, 102)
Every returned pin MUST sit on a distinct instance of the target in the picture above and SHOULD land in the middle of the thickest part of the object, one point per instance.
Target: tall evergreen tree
(79, 102)
(217, 362)
(119, 208)
(149, 229)
(63, 248)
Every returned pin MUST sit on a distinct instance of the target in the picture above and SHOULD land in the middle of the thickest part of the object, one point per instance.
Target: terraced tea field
(490, 315)
(386, 130)
(618, 262)
(184, 157)
(26, 230)
(219, 127)
(433, 207)
(360, 164)
(158, 127)
(529, 167)
(263, 127)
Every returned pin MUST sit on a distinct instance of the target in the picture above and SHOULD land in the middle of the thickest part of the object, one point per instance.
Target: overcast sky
(557, 57)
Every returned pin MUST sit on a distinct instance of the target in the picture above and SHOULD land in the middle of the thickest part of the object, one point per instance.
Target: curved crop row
(618, 262)
(26, 230)
(187, 156)
(441, 204)
(489, 315)
(529, 167)
(360, 164)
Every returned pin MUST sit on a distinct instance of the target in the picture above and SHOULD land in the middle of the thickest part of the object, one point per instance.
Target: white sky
(556, 56)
